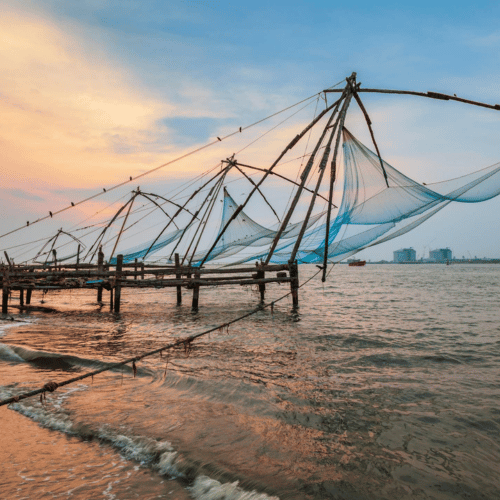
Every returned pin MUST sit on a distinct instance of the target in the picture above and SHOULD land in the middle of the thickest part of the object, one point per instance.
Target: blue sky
(187, 68)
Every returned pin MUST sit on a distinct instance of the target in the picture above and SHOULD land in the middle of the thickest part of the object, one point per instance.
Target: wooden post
(262, 286)
(196, 289)
(54, 253)
(21, 297)
(78, 256)
(135, 268)
(111, 300)
(142, 270)
(178, 276)
(118, 288)
(100, 261)
(5, 291)
(28, 296)
(294, 283)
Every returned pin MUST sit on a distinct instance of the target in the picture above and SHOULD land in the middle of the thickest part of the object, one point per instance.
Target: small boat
(356, 263)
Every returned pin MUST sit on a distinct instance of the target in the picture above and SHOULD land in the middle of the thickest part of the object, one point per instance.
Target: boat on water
(357, 263)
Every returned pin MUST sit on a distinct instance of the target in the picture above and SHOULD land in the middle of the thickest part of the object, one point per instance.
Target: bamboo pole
(5, 291)
(322, 168)
(178, 276)
(196, 289)
(429, 94)
(292, 143)
(118, 288)
(369, 123)
(304, 176)
(333, 174)
(281, 177)
(179, 211)
(100, 262)
(124, 222)
(294, 284)
(258, 189)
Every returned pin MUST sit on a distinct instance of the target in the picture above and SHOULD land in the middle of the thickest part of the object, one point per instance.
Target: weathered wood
(432, 95)
(21, 297)
(100, 262)
(118, 288)
(28, 296)
(294, 284)
(333, 173)
(135, 268)
(261, 275)
(303, 177)
(5, 291)
(178, 276)
(196, 289)
(111, 300)
(292, 143)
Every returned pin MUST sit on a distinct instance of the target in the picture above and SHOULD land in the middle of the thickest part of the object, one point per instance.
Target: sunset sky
(94, 91)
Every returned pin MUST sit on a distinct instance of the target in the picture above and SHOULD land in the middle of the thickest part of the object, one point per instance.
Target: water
(385, 385)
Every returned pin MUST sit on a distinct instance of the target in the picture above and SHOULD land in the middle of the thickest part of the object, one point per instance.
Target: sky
(94, 91)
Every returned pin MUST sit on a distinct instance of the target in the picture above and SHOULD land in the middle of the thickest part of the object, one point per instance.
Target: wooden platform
(103, 276)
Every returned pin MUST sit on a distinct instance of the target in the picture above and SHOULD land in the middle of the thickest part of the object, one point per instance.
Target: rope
(130, 179)
(51, 386)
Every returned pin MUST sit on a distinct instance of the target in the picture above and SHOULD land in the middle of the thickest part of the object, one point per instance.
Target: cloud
(68, 114)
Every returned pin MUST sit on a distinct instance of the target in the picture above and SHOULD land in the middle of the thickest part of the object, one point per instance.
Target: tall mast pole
(292, 143)
(303, 177)
(322, 168)
(351, 84)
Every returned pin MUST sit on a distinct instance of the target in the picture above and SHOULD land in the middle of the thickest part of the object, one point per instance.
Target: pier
(104, 277)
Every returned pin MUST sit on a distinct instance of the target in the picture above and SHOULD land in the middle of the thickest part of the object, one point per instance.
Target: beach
(384, 385)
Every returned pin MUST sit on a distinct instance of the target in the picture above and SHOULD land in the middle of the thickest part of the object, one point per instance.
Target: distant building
(440, 255)
(405, 255)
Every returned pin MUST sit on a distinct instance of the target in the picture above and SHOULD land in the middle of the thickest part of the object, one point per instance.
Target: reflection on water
(385, 386)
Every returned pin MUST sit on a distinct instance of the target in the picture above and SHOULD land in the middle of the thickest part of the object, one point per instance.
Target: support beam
(196, 290)
(5, 291)
(333, 173)
(21, 297)
(292, 143)
(100, 262)
(294, 284)
(261, 274)
(118, 288)
(28, 296)
(178, 276)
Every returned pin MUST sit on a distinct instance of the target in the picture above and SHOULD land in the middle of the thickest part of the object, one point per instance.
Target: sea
(385, 384)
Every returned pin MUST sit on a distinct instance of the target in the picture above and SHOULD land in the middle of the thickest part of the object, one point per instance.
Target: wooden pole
(135, 268)
(100, 262)
(294, 284)
(292, 143)
(21, 297)
(333, 173)
(262, 286)
(78, 256)
(304, 176)
(28, 296)
(178, 276)
(5, 291)
(118, 288)
(196, 290)
(111, 300)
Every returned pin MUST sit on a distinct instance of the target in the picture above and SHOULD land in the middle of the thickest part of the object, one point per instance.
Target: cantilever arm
(431, 95)
(284, 178)
(369, 123)
(260, 192)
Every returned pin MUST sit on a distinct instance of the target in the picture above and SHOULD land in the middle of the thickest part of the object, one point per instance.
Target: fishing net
(370, 213)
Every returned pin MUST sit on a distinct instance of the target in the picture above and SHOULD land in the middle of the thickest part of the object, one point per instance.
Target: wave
(58, 361)
(159, 455)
